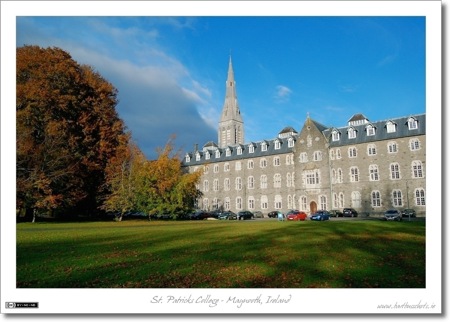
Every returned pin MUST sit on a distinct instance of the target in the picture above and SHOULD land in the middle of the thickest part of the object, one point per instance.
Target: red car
(296, 215)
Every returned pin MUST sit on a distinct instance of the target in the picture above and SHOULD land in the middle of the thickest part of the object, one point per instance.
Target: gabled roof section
(381, 133)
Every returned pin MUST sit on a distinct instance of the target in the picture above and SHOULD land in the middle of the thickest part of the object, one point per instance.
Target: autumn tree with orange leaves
(150, 186)
(67, 130)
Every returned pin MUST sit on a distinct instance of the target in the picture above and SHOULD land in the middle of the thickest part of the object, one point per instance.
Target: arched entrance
(312, 207)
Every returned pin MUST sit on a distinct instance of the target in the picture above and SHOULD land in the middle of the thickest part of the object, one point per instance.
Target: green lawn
(221, 254)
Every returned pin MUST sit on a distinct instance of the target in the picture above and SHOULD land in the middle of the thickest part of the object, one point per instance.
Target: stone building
(368, 166)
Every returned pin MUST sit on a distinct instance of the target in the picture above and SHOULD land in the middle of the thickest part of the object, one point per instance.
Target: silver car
(393, 214)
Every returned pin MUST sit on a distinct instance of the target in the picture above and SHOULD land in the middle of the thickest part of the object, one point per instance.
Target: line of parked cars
(397, 215)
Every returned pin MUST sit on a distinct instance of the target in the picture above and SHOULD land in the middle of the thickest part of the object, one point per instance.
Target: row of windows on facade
(397, 200)
(391, 127)
(313, 177)
(240, 150)
(317, 156)
(352, 152)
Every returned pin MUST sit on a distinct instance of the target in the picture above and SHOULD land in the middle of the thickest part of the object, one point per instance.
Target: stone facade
(368, 166)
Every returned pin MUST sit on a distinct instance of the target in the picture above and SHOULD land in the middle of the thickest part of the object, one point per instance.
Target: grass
(221, 254)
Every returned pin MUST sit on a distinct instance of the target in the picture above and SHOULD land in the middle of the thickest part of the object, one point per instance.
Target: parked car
(228, 215)
(295, 215)
(274, 214)
(199, 215)
(165, 216)
(258, 214)
(393, 214)
(320, 215)
(242, 215)
(215, 214)
(409, 213)
(349, 212)
(336, 213)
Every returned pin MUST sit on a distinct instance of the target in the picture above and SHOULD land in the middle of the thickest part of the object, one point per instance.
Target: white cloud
(157, 95)
(283, 93)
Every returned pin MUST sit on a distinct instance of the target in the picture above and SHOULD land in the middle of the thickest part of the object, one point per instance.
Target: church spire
(231, 126)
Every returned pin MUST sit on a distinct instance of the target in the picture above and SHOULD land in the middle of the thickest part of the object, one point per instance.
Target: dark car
(409, 213)
(242, 215)
(336, 213)
(295, 215)
(199, 215)
(320, 215)
(215, 214)
(228, 215)
(349, 212)
(393, 214)
(274, 214)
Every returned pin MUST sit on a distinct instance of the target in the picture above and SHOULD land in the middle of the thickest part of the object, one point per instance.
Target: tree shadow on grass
(230, 255)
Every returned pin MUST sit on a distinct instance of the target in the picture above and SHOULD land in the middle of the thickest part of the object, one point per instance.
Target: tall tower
(231, 126)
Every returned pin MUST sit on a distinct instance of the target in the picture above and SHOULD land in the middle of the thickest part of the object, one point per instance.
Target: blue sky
(170, 71)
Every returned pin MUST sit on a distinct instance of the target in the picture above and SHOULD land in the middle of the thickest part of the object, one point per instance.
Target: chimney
(195, 147)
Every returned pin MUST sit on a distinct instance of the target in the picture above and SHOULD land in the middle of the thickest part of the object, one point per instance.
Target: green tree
(67, 130)
(125, 176)
(153, 187)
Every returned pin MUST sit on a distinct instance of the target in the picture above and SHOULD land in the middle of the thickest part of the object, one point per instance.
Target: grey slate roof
(245, 152)
(402, 130)
(380, 131)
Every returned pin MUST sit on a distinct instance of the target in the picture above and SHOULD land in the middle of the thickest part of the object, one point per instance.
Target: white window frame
(263, 181)
(264, 202)
(392, 147)
(374, 174)
(370, 130)
(354, 174)
(417, 169)
(351, 133)
(277, 144)
(238, 183)
(375, 199)
(250, 182)
(276, 161)
(391, 127)
(394, 171)
(397, 198)
(371, 149)
(290, 143)
(263, 146)
(336, 135)
(419, 197)
(277, 180)
(414, 144)
(412, 124)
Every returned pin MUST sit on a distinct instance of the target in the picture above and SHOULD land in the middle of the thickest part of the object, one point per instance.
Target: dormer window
(335, 135)
(412, 124)
(188, 158)
(391, 127)
(228, 153)
(197, 156)
(251, 148)
(277, 145)
(217, 154)
(351, 133)
(207, 155)
(239, 150)
(264, 146)
(290, 143)
(370, 130)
